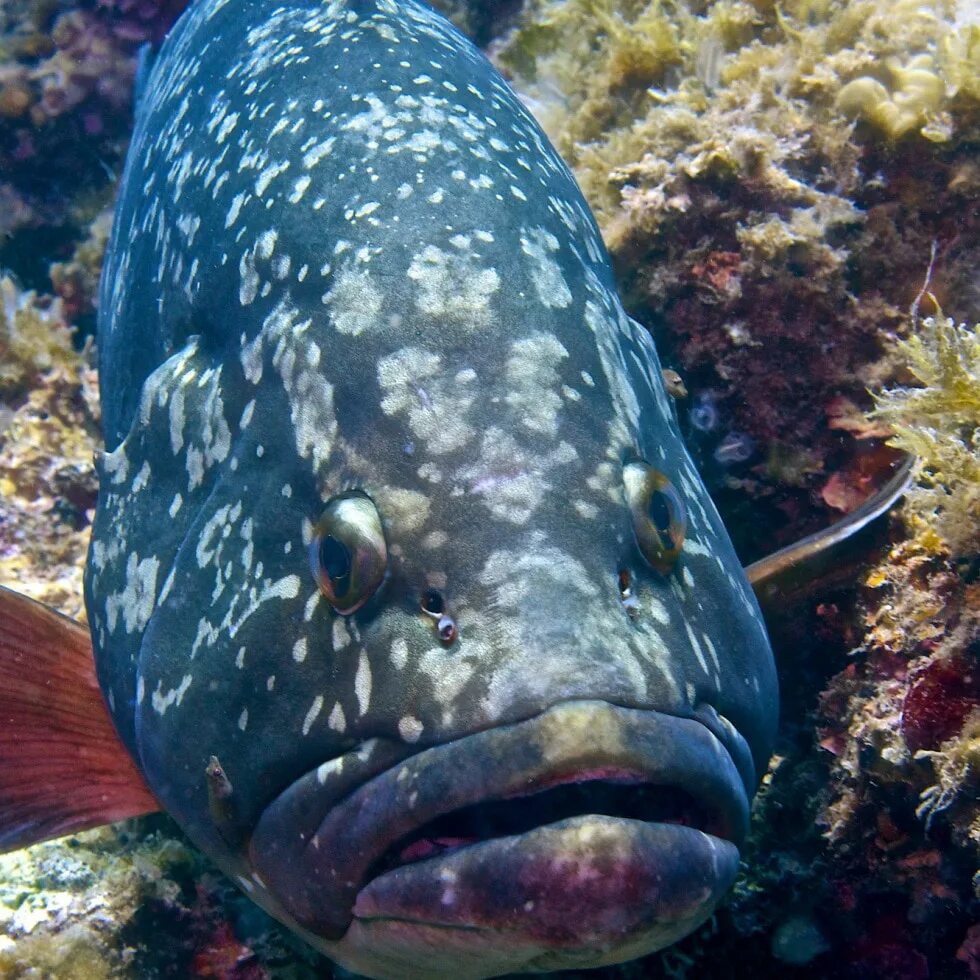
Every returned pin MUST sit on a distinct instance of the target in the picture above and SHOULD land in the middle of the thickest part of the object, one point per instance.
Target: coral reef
(770, 179)
(66, 78)
(49, 430)
(134, 901)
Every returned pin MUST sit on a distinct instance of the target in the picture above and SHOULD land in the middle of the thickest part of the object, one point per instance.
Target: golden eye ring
(658, 515)
(348, 552)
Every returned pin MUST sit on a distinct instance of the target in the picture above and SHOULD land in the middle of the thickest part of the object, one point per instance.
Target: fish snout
(586, 835)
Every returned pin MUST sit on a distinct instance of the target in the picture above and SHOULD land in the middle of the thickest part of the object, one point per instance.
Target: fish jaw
(581, 893)
(483, 855)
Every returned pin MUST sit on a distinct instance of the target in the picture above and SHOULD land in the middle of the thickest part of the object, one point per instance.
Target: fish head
(406, 596)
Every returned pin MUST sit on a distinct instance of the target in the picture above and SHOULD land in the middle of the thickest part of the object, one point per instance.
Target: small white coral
(914, 99)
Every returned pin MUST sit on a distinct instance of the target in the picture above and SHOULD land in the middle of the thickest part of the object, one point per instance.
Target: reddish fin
(63, 768)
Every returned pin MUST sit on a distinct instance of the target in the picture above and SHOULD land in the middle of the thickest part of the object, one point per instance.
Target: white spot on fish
(311, 715)
(410, 728)
(161, 702)
(362, 683)
(337, 721)
(299, 650)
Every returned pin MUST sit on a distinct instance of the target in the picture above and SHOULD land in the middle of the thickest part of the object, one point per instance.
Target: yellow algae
(47, 445)
(747, 88)
(939, 423)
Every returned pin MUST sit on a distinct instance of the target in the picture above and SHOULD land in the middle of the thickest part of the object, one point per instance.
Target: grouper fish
(406, 600)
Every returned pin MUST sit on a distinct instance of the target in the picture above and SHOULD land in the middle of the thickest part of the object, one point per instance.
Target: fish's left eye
(348, 553)
(658, 513)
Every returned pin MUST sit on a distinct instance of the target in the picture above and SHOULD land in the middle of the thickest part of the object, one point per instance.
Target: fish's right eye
(658, 514)
(348, 553)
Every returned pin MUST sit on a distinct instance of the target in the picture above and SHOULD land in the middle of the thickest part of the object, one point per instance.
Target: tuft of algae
(34, 339)
(737, 87)
(939, 424)
(49, 432)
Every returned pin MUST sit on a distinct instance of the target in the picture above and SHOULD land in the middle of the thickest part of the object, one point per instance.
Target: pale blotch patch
(447, 680)
(337, 720)
(514, 575)
(248, 287)
(341, 635)
(696, 647)
(434, 540)
(310, 395)
(657, 610)
(435, 401)
(300, 650)
(137, 598)
(410, 728)
(613, 365)
(311, 715)
(243, 719)
(362, 683)
(534, 382)
(510, 480)
(405, 510)
(161, 702)
(549, 283)
(353, 301)
(399, 653)
(453, 288)
(142, 479)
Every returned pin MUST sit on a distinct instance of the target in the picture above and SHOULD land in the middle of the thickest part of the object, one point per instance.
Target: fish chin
(586, 835)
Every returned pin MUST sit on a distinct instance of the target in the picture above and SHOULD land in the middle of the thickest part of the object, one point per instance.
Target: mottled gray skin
(346, 257)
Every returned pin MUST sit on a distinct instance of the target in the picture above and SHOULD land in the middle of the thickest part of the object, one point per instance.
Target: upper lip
(568, 743)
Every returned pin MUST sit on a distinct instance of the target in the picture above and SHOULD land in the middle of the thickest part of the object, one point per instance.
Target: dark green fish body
(356, 307)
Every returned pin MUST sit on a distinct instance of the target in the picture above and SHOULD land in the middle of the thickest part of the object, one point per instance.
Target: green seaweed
(939, 423)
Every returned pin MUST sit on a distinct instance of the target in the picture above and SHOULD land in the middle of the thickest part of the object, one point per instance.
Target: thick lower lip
(582, 810)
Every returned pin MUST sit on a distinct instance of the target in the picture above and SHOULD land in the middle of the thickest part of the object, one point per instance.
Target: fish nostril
(447, 629)
(434, 606)
(627, 596)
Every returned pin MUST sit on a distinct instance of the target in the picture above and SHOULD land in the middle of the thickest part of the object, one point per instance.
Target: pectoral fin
(62, 765)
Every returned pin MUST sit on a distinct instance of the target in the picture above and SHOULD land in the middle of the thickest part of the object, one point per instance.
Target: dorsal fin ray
(62, 766)
(778, 577)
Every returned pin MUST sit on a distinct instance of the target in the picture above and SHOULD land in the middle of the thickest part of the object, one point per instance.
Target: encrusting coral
(49, 430)
(66, 88)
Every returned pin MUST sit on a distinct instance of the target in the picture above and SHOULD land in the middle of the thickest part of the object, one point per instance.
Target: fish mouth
(585, 835)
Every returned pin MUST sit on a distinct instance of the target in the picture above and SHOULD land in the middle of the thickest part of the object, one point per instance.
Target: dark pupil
(660, 513)
(334, 560)
(432, 603)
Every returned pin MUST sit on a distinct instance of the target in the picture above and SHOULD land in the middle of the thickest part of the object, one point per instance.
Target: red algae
(938, 701)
